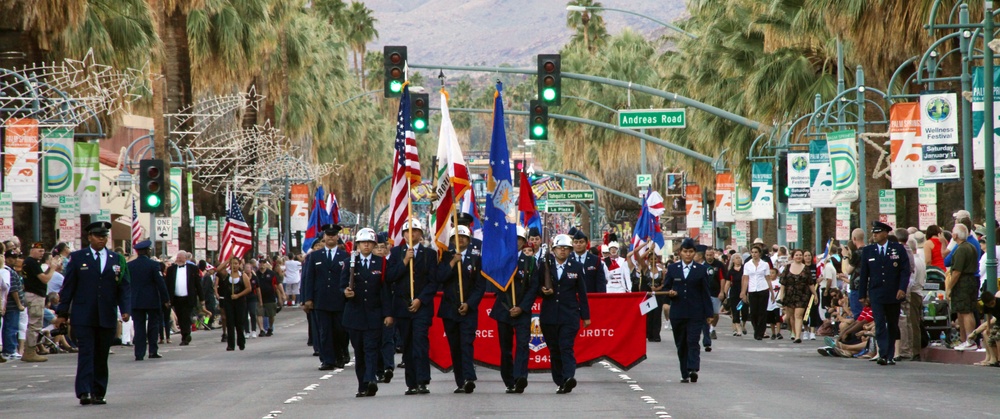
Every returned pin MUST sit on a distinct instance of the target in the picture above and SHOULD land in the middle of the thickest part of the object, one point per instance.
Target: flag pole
(454, 215)
(409, 231)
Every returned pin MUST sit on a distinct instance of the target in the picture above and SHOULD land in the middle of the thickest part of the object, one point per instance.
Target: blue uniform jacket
(321, 280)
(94, 296)
(424, 284)
(525, 284)
(372, 301)
(473, 286)
(692, 300)
(568, 303)
(881, 276)
(593, 275)
(149, 291)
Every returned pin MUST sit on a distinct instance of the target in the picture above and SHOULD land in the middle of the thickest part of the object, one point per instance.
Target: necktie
(329, 254)
(366, 263)
(559, 270)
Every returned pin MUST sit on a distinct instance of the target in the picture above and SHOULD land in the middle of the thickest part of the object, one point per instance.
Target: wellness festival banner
(798, 183)
(939, 126)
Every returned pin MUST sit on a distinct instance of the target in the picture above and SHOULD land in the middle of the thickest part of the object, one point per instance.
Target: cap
(878, 226)
(689, 244)
(533, 232)
(382, 237)
(12, 253)
(605, 249)
(562, 240)
(758, 241)
(415, 223)
(960, 214)
(38, 245)
(614, 244)
(145, 244)
(99, 228)
(577, 234)
(700, 248)
(465, 219)
(331, 229)
(464, 231)
(365, 235)
(521, 233)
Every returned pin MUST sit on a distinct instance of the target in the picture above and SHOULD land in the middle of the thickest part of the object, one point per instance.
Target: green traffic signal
(788, 191)
(395, 86)
(538, 131)
(419, 124)
(153, 201)
(549, 94)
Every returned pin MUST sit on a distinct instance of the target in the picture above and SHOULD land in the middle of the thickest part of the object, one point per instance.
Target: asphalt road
(277, 377)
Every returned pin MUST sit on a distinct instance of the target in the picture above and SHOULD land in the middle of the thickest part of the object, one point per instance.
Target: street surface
(277, 377)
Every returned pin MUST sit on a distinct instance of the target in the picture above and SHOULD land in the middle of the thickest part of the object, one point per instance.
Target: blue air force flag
(500, 221)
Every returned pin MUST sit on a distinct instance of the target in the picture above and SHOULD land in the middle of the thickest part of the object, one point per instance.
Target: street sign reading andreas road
(652, 118)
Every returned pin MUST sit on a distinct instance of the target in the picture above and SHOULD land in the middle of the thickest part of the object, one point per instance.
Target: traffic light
(151, 186)
(783, 191)
(394, 73)
(550, 79)
(538, 120)
(419, 112)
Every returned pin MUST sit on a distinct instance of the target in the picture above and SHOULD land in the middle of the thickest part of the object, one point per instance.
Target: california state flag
(451, 181)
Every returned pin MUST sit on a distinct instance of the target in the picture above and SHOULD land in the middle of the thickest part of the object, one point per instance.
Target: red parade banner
(617, 333)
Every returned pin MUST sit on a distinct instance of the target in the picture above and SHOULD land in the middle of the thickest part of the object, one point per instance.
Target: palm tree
(360, 31)
(333, 11)
(589, 25)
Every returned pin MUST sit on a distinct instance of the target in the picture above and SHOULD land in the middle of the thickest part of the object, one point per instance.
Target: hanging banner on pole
(798, 183)
(20, 159)
(724, 205)
(200, 227)
(87, 177)
(939, 135)
(792, 228)
(57, 165)
(6, 216)
(905, 148)
(820, 179)
(299, 208)
(212, 239)
(843, 165)
(741, 234)
(743, 211)
(273, 237)
(190, 194)
(695, 210)
(843, 221)
(69, 220)
(978, 137)
(176, 176)
(762, 190)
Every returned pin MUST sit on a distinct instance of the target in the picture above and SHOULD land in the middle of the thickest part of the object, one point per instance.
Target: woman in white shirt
(757, 291)
(293, 276)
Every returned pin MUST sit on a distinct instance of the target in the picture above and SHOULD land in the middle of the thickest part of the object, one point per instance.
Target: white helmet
(613, 244)
(522, 233)
(464, 231)
(604, 249)
(562, 240)
(365, 235)
(415, 223)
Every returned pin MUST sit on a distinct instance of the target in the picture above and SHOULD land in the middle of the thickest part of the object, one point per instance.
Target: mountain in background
(494, 32)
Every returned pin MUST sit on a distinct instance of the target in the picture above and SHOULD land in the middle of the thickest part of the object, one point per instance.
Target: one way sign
(164, 228)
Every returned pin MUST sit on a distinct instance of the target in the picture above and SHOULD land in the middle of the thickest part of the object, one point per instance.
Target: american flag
(284, 250)
(136, 227)
(405, 170)
(236, 234)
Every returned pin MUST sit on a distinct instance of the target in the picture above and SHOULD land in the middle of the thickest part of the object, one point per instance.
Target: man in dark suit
(459, 308)
(323, 296)
(564, 305)
(149, 296)
(593, 271)
(95, 288)
(884, 278)
(184, 287)
(413, 304)
(512, 311)
(687, 287)
(368, 307)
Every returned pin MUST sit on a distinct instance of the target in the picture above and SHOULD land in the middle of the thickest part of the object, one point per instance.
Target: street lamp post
(584, 9)
(988, 125)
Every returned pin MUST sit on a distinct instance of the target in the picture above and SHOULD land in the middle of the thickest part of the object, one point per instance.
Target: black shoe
(85, 399)
(230, 348)
(100, 400)
(469, 386)
(708, 349)
(694, 376)
(387, 375)
(780, 336)
(898, 359)
(361, 394)
(184, 343)
(756, 338)
(653, 339)
(326, 367)
(315, 353)
(372, 389)
(138, 359)
(510, 390)
(399, 349)
(423, 389)
(569, 385)
(223, 339)
(411, 391)
(797, 341)
(891, 362)
(520, 384)
(685, 381)
(766, 336)
(459, 390)
(242, 347)
(270, 333)
(401, 365)
(561, 390)
(915, 358)
(882, 361)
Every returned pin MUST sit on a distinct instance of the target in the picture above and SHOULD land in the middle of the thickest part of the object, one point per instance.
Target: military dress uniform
(321, 276)
(149, 294)
(560, 316)
(689, 310)
(461, 330)
(594, 279)
(95, 288)
(885, 270)
(514, 353)
(414, 327)
(365, 313)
